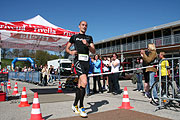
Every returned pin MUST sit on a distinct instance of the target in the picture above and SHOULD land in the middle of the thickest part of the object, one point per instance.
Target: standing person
(139, 75)
(149, 59)
(105, 69)
(83, 44)
(91, 69)
(115, 65)
(165, 70)
(97, 69)
(52, 74)
(44, 75)
(146, 77)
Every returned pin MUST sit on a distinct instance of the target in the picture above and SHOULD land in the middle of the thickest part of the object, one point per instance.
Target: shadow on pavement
(47, 117)
(95, 105)
(50, 90)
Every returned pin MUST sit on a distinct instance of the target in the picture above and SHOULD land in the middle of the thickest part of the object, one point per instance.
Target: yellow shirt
(164, 64)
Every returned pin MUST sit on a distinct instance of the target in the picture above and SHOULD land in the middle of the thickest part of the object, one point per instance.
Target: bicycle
(165, 93)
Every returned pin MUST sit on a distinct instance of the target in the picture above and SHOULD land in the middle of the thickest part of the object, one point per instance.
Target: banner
(34, 34)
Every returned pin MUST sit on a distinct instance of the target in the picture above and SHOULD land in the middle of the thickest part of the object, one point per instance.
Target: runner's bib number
(83, 57)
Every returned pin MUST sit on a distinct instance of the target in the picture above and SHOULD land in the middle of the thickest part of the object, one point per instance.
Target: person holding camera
(150, 59)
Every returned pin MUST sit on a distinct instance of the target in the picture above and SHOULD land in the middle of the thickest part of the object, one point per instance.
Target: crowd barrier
(25, 76)
(170, 90)
(107, 73)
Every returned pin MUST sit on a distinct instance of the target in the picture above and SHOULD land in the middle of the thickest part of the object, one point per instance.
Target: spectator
(36, 67)
(97, 66)
(101, 68)
(115, 65)
(149, 59)
(25, 69)
(165, 71)
(29, 69)
(105, 69)
(45, 75)
(91, 69)
(139, 75)
(52, 74)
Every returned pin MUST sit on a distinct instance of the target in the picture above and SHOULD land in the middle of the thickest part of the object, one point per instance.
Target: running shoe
(75, 109)
(82, 112)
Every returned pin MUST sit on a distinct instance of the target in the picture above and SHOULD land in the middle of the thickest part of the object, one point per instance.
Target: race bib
(83, 57)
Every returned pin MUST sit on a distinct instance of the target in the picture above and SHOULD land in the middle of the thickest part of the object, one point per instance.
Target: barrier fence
(171, 93)
(169, 88)
(25, 76)
(35, 76)
(107, 73)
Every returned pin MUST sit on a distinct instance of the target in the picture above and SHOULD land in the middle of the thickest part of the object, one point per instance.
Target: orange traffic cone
(2, 84)
(36, 112)
(15, 89)
(59, 88)
(24, 101)
(9, 85)
(125, 101)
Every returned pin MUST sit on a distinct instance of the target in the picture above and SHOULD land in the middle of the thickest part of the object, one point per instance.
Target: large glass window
(113, 43)
(167, 32)
(104, 45)
(135, 38)
(108, 44)
(124, 41)
(117, 42)
(100, 46)
(177, 32)
(150, 35)
(129, 40)
(158, 34)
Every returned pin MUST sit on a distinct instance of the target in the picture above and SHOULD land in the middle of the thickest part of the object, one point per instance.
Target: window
(177, 32)
(66, 65)
(157, 34)
(124, 41)
(150, 35)
(167, 32)
(113, 43)
(100, 46)
(108, 44)
(135, 38)
(117, 42)
(129, 40)
(104, 45)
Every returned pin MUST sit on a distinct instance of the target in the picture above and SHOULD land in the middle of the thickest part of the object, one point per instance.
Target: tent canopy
(35, 34)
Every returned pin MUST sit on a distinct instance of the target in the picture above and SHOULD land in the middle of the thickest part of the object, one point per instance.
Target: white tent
(35, 34)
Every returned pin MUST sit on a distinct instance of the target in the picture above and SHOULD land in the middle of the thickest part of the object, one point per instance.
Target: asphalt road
(55, 105)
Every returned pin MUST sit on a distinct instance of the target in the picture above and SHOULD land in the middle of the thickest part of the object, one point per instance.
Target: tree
(4, 52)
(16, 52)
(41, 57)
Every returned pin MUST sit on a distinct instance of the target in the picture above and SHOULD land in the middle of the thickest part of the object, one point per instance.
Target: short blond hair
(151, 46)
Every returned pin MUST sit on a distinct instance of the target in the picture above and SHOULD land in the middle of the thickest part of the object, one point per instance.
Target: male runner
(83, 44)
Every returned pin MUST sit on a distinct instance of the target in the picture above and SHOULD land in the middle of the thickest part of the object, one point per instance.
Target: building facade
(166, 37)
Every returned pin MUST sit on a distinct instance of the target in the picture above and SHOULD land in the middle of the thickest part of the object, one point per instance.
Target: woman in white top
(45, 75)
(115, 65)
(105, 69)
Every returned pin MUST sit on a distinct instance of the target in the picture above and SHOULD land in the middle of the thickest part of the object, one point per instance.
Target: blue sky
(106, 18)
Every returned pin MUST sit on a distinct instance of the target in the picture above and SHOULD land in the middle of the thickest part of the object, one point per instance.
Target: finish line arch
(23, 59)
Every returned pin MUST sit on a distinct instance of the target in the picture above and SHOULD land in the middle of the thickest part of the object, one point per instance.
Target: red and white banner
(35, 34)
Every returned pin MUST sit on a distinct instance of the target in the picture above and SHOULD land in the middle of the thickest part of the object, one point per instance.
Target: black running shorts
(82, 67)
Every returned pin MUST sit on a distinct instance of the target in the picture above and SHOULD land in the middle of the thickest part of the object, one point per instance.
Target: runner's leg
(83, 83)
